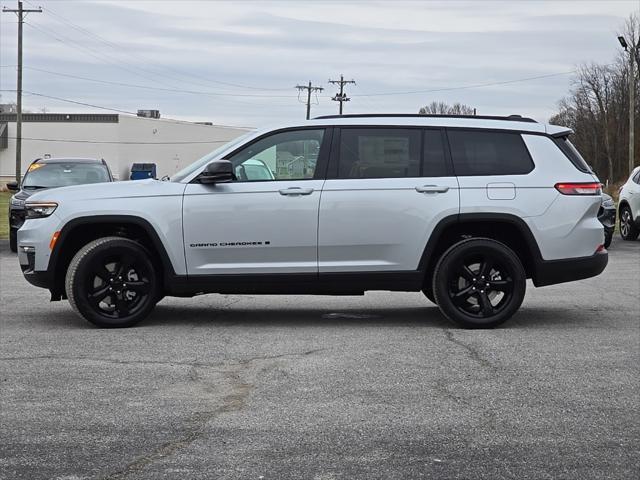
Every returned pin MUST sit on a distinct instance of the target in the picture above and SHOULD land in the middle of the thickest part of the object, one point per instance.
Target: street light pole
(633, 56)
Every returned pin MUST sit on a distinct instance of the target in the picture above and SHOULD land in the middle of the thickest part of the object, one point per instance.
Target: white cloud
(385, 46)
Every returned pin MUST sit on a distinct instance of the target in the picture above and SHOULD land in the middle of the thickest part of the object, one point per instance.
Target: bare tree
(596, 110)
(442, 108)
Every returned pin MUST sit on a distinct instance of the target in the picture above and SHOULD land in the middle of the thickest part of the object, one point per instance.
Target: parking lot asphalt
(301, 387)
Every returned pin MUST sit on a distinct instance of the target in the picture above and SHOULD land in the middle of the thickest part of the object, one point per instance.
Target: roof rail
(512, 118)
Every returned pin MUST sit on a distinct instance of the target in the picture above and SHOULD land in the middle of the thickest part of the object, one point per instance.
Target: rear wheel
(111, 282)
(628, 231)
(479, 283)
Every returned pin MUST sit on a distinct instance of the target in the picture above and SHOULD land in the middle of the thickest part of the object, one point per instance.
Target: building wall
(170, 144)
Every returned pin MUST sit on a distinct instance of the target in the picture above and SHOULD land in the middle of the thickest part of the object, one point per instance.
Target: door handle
(432, 189)
(296, 191)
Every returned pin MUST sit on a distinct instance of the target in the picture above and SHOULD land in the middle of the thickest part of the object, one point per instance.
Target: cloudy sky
(237, 62)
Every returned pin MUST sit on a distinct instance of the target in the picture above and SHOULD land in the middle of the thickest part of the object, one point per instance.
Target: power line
(160, 89)
(121, 143)
(464, 87)
(309, 88)
(21, 13)
(121, 49)
(341, 96)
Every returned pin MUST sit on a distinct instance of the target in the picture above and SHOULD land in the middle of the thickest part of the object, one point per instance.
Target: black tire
(111, 282)
(608, 237)
(479, 283)
(428, 292)
(13, 239)
(628, 230)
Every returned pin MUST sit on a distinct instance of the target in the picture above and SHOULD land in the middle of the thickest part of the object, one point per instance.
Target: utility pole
(309, 88)
(634, 57)
(21, 14)
(341, 97)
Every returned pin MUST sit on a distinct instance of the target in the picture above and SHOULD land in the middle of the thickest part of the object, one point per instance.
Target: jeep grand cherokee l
(464, 209)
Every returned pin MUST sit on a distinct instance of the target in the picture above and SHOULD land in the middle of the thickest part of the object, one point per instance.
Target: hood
(98, 191)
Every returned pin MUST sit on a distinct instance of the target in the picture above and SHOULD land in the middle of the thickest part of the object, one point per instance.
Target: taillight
(592, 188)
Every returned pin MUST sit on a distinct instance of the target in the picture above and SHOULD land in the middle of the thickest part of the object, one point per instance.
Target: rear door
(386, 190)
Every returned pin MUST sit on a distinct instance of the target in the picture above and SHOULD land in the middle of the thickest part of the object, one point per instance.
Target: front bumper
(607, 217)
(16, 217)
(551, 272)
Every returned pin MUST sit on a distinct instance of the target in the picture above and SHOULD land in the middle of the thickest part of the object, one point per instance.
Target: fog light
(29, 249)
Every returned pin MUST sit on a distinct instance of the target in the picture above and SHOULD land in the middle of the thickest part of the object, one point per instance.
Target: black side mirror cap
(220, 171)
(13, 186)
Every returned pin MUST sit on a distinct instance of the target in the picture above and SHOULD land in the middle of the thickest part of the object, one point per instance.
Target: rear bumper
(550, 272)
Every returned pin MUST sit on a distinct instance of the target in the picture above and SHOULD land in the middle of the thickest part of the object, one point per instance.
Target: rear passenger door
(386, 189)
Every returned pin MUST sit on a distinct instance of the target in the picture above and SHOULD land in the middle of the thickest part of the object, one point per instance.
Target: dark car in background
(44, 173)
(607, 216)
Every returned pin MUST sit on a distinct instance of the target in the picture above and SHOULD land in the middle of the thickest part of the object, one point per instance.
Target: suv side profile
(464, 209)
(629, 206)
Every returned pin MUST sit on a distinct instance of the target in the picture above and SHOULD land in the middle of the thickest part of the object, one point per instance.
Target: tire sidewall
(80, 279)
(633, 230)
(450, 259)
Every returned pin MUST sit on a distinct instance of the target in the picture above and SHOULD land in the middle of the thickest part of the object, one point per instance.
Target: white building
(120, 139)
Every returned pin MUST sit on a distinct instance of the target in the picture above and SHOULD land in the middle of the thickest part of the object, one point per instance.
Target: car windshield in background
(188, 170)
(51, 175)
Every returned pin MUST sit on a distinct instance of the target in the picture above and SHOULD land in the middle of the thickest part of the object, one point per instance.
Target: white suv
(464, 209)
(629, 206)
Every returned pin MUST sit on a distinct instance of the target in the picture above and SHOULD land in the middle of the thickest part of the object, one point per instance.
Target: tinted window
(435, 164)
(379, 153)
(488, 153)
(64, 174)
(572, 154)
(282, 156)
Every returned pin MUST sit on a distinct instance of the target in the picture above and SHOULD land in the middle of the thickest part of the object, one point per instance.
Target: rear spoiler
(557, 131)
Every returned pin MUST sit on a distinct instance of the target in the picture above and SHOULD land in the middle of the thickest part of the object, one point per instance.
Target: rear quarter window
(572, 154)
(478, 152)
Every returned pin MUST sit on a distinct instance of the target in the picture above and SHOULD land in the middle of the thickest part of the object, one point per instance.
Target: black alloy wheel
(479, 283)
(112, 282)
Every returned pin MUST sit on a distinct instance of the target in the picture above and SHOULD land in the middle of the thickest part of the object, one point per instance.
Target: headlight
(40, 209)
(609, 203)
(16, 202)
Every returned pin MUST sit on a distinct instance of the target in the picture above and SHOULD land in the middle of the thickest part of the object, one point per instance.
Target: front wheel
(628, 231)
(111, 282)
(13, 239)
(479, 283)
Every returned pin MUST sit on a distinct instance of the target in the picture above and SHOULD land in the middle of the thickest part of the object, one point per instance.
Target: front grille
(16, 218)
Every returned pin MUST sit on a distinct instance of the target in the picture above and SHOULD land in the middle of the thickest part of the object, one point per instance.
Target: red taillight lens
(579, 188)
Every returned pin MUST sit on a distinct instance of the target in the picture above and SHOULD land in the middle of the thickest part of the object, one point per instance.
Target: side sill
(296, 283)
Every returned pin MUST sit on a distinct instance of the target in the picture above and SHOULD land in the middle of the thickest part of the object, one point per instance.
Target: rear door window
(479, 152)
(379, 153)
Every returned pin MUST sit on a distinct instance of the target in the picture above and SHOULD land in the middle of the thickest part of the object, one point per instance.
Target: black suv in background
(44, 173)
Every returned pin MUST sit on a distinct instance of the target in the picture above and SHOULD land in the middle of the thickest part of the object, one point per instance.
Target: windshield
(51, 175)
(185, 172)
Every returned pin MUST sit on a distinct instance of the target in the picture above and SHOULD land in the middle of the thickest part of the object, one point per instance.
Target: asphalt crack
(472, 352)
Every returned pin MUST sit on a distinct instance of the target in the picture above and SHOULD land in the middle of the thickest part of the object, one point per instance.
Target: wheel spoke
(122, 306)
(462, 295)
(485, 304)
(500, 285)
(485, 268)
(467, 273)
(141, 286)
(103, 273)
(98, 295)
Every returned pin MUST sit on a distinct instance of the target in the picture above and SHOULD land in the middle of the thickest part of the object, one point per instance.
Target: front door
(267, 220)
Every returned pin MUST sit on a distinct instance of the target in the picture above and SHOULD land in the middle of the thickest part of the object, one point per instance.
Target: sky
(238, 62)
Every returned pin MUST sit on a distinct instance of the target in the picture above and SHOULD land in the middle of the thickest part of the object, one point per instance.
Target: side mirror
(220, 171)
(13, 186)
